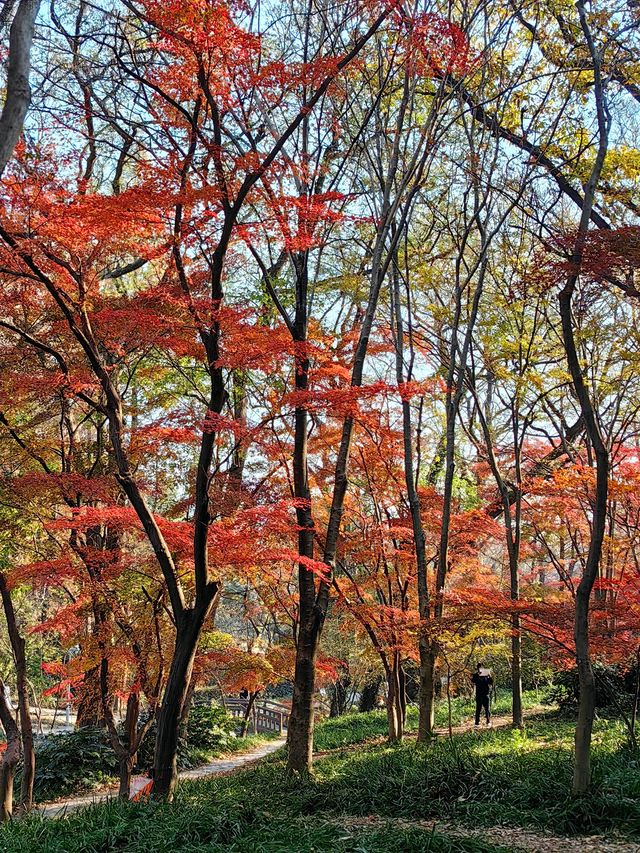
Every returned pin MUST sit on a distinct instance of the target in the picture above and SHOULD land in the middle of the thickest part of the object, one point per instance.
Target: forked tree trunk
(125, 746)
(165, 771)
(427, 657)
(586, 701)
(314, 604)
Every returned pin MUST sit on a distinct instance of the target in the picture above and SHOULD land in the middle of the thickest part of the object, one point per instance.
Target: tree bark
(165, 771)
(300, 737)
(395, 701)
(426, 699)
(253, 695)
(18, 92)
(26, 729)
(10, 757)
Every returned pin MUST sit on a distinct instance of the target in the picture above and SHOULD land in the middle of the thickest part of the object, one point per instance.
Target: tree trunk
(339, 696)
(90, 713)
(253, 695)
(188, 704)
(586, 698)
(126, 765)
(392, 709)
(395, 701)
(9, 758)
(26, 729)
(300, 737)
(636, 697)
(426, 700)
(165, 772)
(18, 91)
(586, 702)
(369, 695)
(516, 671)
(402, 696)
(449, 721)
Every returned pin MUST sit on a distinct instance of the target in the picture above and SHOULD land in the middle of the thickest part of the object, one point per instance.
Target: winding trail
(217, 767)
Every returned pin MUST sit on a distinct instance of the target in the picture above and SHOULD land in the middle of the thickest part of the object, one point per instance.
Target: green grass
(492, 778)
(371, 798)
(196, 827)
(357, 728)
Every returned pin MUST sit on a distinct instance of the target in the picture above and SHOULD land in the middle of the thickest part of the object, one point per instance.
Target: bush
(209, 730)
(73, 761)
(80, 760)
(615, 689)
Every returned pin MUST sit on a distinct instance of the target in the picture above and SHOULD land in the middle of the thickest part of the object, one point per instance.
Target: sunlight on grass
(499, 777)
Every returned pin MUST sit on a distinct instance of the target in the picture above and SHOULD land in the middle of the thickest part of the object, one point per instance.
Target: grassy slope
(358, 728)
(489, 778)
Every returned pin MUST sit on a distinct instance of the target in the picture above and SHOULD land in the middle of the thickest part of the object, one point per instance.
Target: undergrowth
(371, 799)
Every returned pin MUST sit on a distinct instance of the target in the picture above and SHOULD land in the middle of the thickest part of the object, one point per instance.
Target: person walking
(483, 682)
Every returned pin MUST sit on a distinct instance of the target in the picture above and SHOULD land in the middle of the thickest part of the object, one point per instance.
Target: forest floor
(512, 839)
(216, 767)
(496, 790)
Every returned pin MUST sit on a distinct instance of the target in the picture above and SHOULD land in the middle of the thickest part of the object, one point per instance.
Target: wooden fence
(265, 716)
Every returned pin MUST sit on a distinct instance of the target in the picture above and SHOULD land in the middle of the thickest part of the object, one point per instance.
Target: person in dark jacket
(483, 683)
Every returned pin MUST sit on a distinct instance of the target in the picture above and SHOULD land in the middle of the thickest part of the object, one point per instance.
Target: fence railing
(264, 717)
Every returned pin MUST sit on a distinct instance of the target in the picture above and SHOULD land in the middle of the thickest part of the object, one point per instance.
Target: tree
(586, 708)
(81, 309)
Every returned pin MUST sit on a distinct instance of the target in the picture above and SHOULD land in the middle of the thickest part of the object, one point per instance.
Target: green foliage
(615, 689)
(195, 827)
(210, 728)
(210, 731)
(73, 761)
(493, 777)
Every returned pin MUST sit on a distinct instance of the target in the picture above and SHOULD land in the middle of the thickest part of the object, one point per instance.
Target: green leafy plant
(73, 761)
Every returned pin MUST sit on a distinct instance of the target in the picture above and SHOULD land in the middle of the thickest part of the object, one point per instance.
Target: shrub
(73, 761)
(209, 729)
(615, 688)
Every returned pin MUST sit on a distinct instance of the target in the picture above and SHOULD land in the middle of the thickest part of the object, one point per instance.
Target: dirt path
(497, 722)
(218, 767)
(513, 838)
